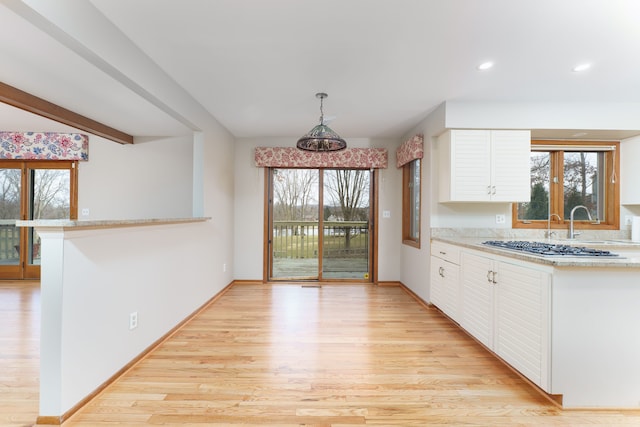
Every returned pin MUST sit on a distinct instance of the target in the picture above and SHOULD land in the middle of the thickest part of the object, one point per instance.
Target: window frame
(612, 190)
(411, 229)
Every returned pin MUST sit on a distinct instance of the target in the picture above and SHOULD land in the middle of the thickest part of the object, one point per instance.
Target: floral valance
(291, 157)
(410, 150)
(44, 146)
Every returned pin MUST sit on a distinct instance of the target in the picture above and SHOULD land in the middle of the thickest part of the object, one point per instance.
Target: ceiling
(255, 65)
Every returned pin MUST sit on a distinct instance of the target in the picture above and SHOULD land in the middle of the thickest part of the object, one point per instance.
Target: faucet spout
(572, 233)
(549, 232)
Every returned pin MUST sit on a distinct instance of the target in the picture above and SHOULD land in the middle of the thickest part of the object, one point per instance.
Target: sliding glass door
(319, 224)
(10, 211)
(346, 222)
(31, 190)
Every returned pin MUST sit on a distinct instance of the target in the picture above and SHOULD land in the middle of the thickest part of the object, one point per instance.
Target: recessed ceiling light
(581, 67)
(485, 66)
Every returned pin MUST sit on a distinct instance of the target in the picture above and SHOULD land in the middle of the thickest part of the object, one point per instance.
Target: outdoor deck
(345, 249)
(336, 268)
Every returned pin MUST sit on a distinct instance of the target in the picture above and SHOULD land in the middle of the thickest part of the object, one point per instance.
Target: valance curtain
(291, 157)
(44, 146)
(410, 150)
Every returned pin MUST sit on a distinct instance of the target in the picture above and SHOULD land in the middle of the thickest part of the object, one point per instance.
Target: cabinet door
(510, 165)
(465, 165)
(477, 297)
(522, 321)
(445, 286)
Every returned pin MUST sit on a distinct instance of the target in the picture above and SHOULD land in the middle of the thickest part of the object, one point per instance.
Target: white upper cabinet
(485, 166)
(629, 172)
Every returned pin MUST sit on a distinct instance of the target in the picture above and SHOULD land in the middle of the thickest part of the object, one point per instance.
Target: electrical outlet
(85, 211)
(501, 219)
(133, 320)
(628, 219)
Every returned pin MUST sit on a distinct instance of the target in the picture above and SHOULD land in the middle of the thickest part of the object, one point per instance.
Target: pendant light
(321, 137)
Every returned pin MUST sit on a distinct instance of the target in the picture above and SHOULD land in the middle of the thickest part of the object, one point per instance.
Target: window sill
(413, 243)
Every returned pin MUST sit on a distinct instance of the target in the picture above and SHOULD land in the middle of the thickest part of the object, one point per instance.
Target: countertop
(109, 223)
(629, 252)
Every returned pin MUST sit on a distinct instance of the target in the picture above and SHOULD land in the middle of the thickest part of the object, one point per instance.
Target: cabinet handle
(441, 271)
(491, 277)
(488, 189)
(443, 253)
(493, 189)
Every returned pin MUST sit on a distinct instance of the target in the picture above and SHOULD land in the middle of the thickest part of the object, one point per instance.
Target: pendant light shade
(321, 137)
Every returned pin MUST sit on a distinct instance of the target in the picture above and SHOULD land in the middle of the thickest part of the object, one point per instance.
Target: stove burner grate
(548, 249)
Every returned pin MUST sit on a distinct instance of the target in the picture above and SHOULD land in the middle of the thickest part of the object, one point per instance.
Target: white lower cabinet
(445, 282)
(477, 297)
(506, 306)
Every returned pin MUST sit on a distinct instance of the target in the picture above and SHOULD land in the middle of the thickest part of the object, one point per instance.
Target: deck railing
(9, 241)
(300, 239)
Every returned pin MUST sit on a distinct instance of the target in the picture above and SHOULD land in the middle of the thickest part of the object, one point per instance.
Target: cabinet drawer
(446, 251)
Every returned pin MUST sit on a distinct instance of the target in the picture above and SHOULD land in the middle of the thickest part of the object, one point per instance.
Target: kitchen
(222, 182)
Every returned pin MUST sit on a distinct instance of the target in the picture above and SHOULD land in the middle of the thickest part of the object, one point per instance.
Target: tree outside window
(565, 175)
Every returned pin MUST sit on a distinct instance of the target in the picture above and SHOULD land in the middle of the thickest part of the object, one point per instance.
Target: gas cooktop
(548, 249)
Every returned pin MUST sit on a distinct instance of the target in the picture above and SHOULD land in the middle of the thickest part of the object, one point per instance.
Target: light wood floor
(19, 352)
(339, 355)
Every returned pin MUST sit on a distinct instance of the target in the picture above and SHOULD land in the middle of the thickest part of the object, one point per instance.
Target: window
(411, 203)
(568, 174)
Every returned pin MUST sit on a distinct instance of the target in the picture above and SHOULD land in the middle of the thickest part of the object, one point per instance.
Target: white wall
(92, 280)
(542, 115)
(414, 262)
(249, 208)
(151, 178)
(162, 272)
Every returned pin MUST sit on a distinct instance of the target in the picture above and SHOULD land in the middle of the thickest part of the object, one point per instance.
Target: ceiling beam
(25, 101)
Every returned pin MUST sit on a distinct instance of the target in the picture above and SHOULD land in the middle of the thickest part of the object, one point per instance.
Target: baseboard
(389, 283)
(58, 420)
(415, 297)
(49, 421)
(248, 282)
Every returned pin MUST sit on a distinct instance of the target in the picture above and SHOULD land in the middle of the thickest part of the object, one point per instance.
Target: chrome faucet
(572, 233)
(549, 232)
